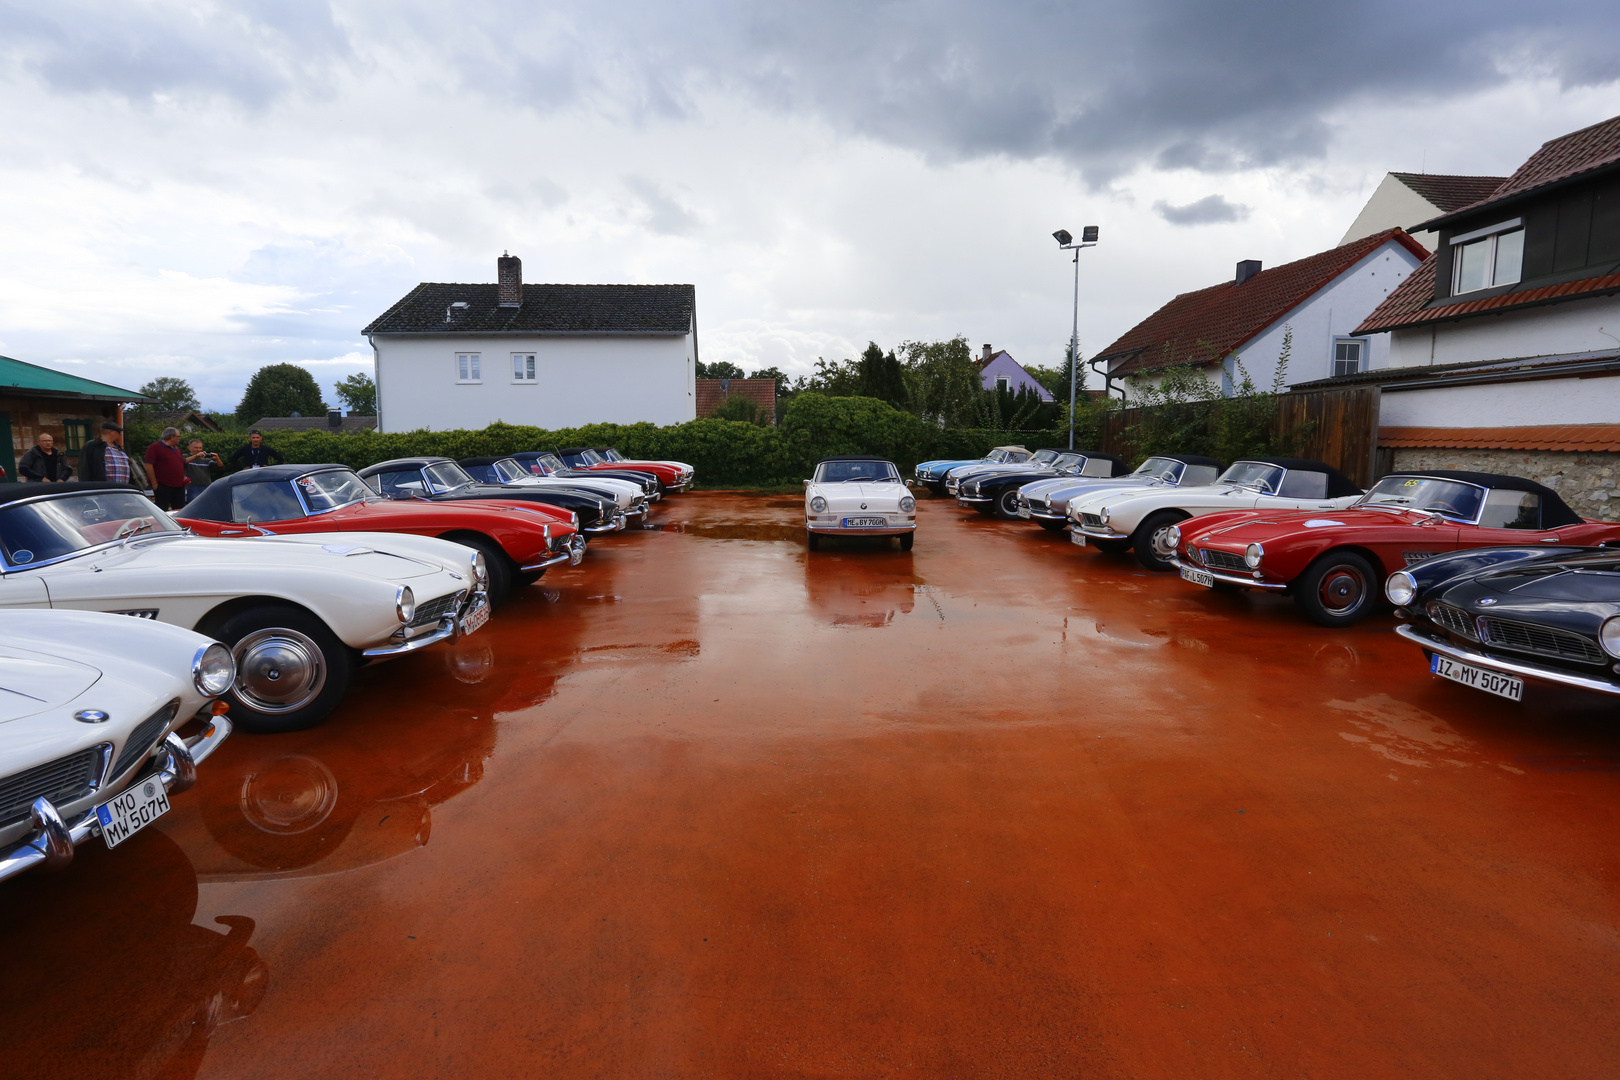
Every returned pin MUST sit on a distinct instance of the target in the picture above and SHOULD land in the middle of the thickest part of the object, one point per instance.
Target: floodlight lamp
(1062, 236)
(1088, 235)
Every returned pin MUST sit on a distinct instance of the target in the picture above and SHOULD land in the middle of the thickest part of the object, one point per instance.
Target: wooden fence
(1339, 427)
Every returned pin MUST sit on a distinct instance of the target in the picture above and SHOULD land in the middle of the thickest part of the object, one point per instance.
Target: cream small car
(298, 612)
(858, 496)
(90, 705)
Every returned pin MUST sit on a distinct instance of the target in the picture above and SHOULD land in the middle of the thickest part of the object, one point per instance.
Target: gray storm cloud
(1210, 210)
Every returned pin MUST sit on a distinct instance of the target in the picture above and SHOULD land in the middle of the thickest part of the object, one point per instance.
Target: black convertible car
(1493, 618)
(997, 492)
(547, 463)
(439, 479)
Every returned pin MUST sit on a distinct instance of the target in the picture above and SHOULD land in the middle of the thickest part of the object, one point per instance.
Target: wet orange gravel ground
(708, 805)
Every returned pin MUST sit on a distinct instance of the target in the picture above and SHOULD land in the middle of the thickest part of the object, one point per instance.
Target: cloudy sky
(199, 188)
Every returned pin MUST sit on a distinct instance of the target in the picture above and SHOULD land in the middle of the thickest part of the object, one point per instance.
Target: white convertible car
(89, 707)
(1139, 519)
(298, 612)
(858, 496)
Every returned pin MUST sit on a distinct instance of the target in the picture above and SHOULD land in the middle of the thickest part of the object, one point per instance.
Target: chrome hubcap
(1160, 543)
(278, 670)
(1343, 589)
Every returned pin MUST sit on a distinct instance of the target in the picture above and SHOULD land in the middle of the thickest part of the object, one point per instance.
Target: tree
(359, 393)
(280, 390)
(738, 407)
(173, 395)
(881, 377)
(942, 382)
(1056, 379)
(720, 369)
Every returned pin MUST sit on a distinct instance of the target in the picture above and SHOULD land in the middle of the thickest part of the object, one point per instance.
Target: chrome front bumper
(1227, 576)
(449, 629)
(1520, 668)
(876, 530)
(1099, 533)
(971, 500)
(571, 550)
(53, 839)
(613, 524)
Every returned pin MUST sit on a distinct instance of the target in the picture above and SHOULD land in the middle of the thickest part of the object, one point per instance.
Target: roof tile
(1448, 192)
(1408, 304)
(1566, 437)
(546, 309)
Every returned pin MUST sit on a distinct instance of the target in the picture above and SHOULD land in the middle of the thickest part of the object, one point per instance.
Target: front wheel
(1338, 589)
(503, 569)
(1110, 547)
(906, 540)
(1007, 505)
(1151, 540)
(291, 670)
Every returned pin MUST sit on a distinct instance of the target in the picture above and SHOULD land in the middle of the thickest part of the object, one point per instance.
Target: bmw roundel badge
(90, 716)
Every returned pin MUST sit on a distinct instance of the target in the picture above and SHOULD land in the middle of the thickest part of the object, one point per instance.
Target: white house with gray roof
(554, 356)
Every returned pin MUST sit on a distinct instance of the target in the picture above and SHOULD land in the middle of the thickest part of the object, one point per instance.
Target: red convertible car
(1334, 562)
(675, 476)
(518, 540)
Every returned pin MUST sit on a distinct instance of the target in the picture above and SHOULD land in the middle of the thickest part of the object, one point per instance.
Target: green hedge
(725, 453)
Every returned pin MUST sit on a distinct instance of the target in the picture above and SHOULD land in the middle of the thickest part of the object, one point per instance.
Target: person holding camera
(199, 468)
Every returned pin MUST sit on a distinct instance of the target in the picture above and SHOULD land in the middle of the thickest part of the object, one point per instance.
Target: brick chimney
(988, 353)
(509, 281)
(1246, 270)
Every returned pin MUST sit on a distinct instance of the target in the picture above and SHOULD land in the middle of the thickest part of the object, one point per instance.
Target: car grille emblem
(90, 716)
(863, 506)
(1487, 602)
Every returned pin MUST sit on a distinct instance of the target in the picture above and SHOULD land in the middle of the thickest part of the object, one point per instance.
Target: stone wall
(1589, 483)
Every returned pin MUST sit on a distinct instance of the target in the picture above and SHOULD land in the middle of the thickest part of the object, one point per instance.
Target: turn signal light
(220, 708)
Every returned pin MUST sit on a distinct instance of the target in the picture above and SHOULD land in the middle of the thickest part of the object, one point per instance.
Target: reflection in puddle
(289, 796)
(1339, 661)
(471, 664)
(1401, 732)
(721, 530)
(687, 649)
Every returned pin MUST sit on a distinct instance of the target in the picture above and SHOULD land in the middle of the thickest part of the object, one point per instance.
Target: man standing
(166, 468)
(104, 458)
(256, 455)
(198, 468)
(44, 463)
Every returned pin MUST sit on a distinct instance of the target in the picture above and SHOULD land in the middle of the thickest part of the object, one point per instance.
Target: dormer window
(1487, 257)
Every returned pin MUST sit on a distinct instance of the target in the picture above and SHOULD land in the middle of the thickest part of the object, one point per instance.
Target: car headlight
(405, 604)
(1609, 635)
(907, 504)
(1172, 536)
(1103, 515)
(818, 505)
(213, 670)
(1401, 588)
(1049, 502)
(480, 566)
(1252, 556)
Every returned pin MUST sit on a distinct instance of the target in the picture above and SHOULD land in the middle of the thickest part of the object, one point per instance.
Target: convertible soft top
(214, 504)
(405, 462)
(1555, 513)
(1192, 459)
(857, 457)
(1339, 485)
(10, 493)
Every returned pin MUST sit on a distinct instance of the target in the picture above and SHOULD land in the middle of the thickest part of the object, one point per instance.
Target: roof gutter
(1584, 370)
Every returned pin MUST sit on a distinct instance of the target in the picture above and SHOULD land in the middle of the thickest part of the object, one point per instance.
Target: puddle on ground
(768, 532)
(1400, 732)
(672, 650)
(1569, 762)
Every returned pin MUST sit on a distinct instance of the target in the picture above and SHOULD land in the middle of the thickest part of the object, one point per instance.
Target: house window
(1003, 384)
(1349, 356)
(1487, 257)
(467, 368)
(523, 367)
(77, 434)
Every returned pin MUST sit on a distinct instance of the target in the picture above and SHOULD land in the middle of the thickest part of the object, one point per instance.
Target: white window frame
(474, 368)
(1362, 345)
(524, 374)
(1004, 382)
(1490, 235)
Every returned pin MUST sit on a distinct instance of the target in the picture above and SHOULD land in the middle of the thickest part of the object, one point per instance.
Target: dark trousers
(169, 498)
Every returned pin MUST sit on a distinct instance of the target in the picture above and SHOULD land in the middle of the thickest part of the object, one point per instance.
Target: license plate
(963, 502)
(1198, 577)
(1477, 677)
(1077, 537)
(133, 810)
(1023, 511)
(474, 619)
(864, 523)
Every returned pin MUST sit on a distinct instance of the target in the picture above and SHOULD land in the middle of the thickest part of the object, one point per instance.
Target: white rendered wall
(1514, 404)
(1332, 313)
(1393, 205)
(581, 380)
(1578, 326)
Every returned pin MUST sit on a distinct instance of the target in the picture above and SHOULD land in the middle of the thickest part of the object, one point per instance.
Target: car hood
(1557, 583)
(199, 553)
(1271, 525)
(851, 495)
(31, 682)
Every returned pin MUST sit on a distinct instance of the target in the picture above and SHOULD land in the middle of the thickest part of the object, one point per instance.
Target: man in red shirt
(166, 467)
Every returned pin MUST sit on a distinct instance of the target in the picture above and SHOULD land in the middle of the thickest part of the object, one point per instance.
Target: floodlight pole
(1088, 239)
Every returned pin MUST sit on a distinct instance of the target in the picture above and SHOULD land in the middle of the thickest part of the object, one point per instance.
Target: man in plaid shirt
(104, 458)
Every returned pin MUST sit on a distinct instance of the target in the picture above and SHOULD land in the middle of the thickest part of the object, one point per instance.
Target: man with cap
(256, 455)
(104, 458)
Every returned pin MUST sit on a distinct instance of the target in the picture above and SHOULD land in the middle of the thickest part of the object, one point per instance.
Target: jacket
(93, 464)
(37, 465)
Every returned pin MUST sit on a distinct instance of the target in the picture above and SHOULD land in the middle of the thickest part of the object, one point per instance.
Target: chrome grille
(1091, 521)
(144, 736)
(430, 613)
(1222, 560)
(61, 781)
(1454, 619)
(1529, 638)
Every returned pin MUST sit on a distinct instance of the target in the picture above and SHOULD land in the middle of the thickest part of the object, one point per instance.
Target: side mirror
(807, 483)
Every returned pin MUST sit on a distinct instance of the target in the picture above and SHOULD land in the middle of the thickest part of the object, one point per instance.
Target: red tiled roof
(761, 392)
(1446, 192)
(1568, 437)
(1406, 306)
(1558, 159)
(1205, 326)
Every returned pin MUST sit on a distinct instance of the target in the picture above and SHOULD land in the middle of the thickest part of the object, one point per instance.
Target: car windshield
(1068, 461)
(329, 490)
(996, 457)
(37, 532)
(444, 475)
(611, 454)
(591, 457)
(1161, 468)
(1044, 456)
(839, 472)
(1426, 493)
(509, 470)
(1254, 474)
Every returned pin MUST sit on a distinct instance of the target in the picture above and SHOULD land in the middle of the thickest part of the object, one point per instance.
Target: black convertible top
(10, 493)
(1339, 485)
(1191, 459)
(214, 504)
(1555, 513)
(858, 457)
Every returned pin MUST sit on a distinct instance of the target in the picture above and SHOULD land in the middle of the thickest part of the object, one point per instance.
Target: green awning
(20, 378)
